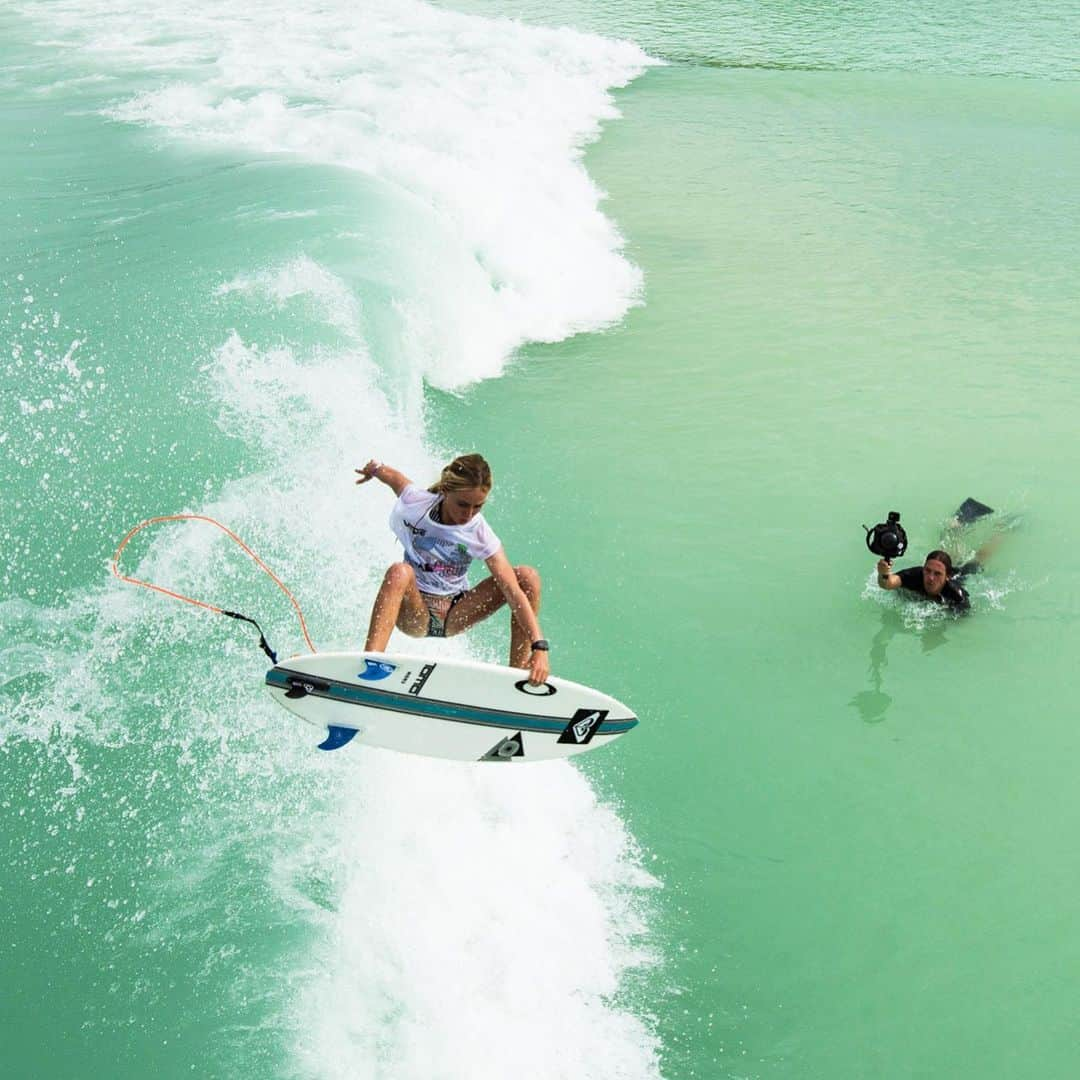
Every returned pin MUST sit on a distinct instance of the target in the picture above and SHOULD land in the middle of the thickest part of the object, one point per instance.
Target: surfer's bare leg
(399, 604)
(479, 603)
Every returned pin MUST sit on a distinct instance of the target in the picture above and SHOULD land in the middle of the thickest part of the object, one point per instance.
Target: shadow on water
(873, 703)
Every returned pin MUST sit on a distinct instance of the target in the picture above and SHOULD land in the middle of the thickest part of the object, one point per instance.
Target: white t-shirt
(440, 554)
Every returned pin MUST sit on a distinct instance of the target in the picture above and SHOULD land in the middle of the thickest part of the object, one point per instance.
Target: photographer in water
(937, 580)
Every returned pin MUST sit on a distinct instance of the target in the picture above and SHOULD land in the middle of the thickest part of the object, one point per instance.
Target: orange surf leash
(201, 603)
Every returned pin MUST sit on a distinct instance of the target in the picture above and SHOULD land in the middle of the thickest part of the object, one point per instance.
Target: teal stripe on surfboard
(336, 690)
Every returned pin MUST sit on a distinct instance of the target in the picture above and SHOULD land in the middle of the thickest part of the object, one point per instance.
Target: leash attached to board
(263, 644)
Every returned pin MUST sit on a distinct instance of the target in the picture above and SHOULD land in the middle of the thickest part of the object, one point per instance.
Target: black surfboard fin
(337, 737)
(971, 510)
(300, 687)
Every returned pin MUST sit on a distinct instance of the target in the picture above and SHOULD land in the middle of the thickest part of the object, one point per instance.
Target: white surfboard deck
(456, 709)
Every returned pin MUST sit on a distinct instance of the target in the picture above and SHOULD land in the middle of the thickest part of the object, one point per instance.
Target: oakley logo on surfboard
(582, 726)
(543, 690)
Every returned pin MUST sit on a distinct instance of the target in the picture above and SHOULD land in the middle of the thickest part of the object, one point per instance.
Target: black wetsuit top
(954, 594)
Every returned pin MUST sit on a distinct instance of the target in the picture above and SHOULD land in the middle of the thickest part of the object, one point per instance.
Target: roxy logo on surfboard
(582, 726)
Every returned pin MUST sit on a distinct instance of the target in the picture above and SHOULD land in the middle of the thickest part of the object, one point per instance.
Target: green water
(859, 242)
(855, 302)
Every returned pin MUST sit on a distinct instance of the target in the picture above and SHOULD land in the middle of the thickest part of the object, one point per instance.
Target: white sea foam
(478, 123)
(303, 278)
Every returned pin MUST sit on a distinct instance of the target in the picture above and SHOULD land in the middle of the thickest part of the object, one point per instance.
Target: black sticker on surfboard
(300, 687)
(582, 726)
(422, 678)
(506, 749)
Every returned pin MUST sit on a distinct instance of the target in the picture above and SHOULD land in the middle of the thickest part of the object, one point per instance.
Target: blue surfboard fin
(376, 669)
(337, 737)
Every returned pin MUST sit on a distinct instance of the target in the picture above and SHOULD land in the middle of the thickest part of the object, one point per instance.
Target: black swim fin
(971, 510)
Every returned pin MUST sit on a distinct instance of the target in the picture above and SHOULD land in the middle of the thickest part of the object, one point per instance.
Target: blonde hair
(467, 471)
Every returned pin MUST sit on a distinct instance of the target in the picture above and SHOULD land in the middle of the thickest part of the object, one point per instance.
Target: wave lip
(478, 125)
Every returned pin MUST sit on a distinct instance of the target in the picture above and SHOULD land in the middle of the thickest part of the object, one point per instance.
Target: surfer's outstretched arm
(376, 470)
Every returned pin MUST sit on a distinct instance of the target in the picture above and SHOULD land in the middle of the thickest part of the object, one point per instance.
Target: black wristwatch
(540, 645)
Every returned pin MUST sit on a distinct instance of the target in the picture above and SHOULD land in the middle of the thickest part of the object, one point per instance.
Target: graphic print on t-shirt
(439, 553)
(439, 556)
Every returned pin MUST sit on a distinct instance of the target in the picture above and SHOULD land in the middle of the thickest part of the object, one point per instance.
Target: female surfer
(442, 531)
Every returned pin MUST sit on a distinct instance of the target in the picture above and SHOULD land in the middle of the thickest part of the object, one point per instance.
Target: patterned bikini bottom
(439, 608)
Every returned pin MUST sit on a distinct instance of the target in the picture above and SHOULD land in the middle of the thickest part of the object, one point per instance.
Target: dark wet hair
(942, 557)
(467, 471)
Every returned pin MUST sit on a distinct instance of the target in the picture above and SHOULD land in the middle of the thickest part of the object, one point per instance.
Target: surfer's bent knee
(400, 575)
(528, 578)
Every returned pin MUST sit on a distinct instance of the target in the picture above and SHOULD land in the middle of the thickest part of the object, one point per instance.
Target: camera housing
(887, 539)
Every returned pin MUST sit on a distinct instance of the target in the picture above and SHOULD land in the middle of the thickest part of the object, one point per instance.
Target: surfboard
(456, 709)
